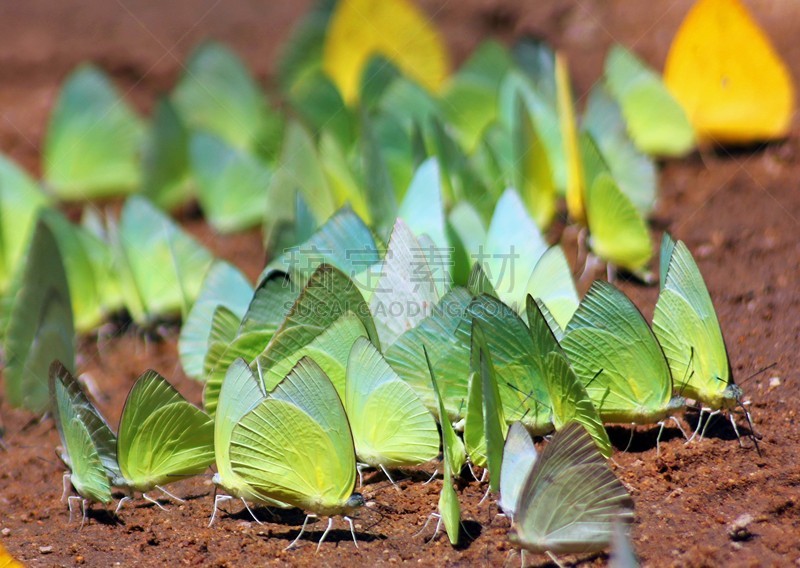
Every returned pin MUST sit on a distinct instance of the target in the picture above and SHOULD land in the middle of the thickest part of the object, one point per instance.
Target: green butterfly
(325, 320)
(688, 330)
(20, 200)
(224, 286)
(218, 95)
(422, 207)
(391, 427)
(93, 139)
(617, 358)
(241, 391)
(657, 122)
(231, 183)
(618, 232)
(232, 336)
(269, 447)
(161, 268)
(492, 422)
(88, 444)
(569, 401)
(453, 459)
(162, 438)
(40, 328)
(448, 352)
(634, 171)
(89, 264)
(569, 499)
(552, 285)
(166, 178)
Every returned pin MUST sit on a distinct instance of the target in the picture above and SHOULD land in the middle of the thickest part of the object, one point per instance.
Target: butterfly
(391, 427)
(569, 499)
(723, 69)
(89, 447)
(162, 438)
(269, 447)
(686, 326)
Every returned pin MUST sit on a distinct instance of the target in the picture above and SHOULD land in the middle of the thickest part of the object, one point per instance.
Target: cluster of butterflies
(314, 357)
(369, 116)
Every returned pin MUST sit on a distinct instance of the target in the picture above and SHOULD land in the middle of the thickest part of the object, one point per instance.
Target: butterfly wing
(391, 427)
(551, 283)
(162, 437)
(571, 497)
(571, 403)
(688, 330)
(295, 446)
(618, 232)
(41, 326)
(88, 474)
(63, 383)
(617, 358)
(728, 77)
(519, 455)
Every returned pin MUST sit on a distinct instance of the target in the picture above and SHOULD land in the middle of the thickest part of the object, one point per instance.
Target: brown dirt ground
(738, 212)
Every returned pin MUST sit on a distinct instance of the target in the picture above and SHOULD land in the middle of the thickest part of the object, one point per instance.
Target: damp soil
(738, 211)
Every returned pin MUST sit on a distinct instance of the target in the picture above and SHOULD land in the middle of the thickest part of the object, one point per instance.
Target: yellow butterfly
(8, 561)
(728, 77)
(394, 29)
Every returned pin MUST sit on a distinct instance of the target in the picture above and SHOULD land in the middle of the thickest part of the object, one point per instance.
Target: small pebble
(738, 530)
(45, 549)
(774, 382)
(6, 531)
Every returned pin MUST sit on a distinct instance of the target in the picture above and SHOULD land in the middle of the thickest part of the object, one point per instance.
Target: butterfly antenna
(597, 374)
(685, 380)
(754, 375)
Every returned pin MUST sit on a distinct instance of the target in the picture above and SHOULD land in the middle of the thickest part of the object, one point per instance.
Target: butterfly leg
(83, 510)
(170, 495)
(678, 424)
(302, 530)
(708, 421)
(153, 501)
(246, 506)
(658, 438)
(427, 521)
(630, 441)
(65, 481)
(217, 499)
(485, 495)
(389, 477)
(325, 533)
(736, 429)
(472, 472)
(352, 530)
(360, 470)
(554, 559)
(432, 477)
(699, 424)
(70, 499)
(119, 505)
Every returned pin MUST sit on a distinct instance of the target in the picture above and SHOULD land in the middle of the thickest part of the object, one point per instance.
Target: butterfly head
(355, 501)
